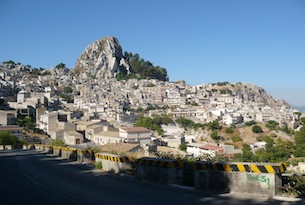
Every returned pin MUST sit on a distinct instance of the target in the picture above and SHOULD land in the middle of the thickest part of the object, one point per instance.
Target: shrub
(237, 139)
(182, 147)
(250, 123)
(98, 165)
(229, 130)
(214, 135)
(214, 125)
(58, 142)
(257, 129)
(272, 125)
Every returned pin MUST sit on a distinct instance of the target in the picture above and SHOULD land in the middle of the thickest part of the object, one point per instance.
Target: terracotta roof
(135, 129)
(210, 147)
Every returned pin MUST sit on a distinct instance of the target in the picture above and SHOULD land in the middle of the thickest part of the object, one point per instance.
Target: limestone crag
(253, 93)
(101, 60)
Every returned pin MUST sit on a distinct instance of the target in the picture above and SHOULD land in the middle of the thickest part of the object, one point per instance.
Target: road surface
(33, 177)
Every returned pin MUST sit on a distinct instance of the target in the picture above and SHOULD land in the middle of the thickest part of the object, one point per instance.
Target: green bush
(98, 165)
(272, 125)
(257, 129)
(250, 123)
(7, 139)
(58, 142)
(237, 139)
(182, 147)
(229, 130)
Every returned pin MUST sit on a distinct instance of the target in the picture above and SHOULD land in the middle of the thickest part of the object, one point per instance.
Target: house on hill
(13, 130)
(135, 135)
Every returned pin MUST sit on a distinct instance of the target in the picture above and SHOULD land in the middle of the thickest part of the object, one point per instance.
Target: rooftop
(211, 147)
(119, 147)
(135, 129)
(108, 134)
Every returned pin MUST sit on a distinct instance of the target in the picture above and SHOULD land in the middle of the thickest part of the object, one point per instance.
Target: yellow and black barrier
(271, 168)
(114, 158)
(83, 151)
(241, 167)
(160, 162)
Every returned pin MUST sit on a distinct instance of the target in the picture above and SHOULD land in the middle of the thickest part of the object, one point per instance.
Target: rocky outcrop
(101, 60)
(253, 93)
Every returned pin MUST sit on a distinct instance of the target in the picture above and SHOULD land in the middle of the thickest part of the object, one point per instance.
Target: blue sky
(200, 41)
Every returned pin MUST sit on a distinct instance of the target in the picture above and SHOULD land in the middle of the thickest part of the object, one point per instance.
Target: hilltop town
(98, 103)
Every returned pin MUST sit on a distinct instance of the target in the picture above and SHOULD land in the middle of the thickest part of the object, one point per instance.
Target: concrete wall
(258, 184)
(259, 179)
(69, 153)
(112, 162)
(158, 170)
(6, 147)
(86, 156)
(57, 151)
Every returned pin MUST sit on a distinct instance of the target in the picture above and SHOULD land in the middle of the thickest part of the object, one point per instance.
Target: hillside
(247, 136)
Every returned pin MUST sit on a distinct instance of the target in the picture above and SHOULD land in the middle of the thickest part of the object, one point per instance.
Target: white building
(13, 130)
(135, 135)
(73, 138)
(198, 149)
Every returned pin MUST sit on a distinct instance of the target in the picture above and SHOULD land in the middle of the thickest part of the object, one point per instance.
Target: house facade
(13, 130)
(135, 135)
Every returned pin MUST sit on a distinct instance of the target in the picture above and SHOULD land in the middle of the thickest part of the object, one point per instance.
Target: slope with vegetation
(142, 69)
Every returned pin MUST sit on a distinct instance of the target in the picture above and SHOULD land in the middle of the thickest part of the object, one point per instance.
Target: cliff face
(252, 93)
(101, 60)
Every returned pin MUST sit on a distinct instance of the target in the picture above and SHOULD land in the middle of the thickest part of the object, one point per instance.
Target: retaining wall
(261, 179)
(158, 170)
(115, 163)
(6, 147)
(249, 178)
(69, 153)
(86, 156)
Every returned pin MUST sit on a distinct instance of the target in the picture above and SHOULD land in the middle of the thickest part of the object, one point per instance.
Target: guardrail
(251, 178)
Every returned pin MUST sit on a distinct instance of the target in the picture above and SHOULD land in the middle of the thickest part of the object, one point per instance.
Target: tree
(27, 123)
(214, 135)
(183, 146)
(143, 69)
(248, 155)
(67, 98)
(214, 125)
(60, 66)
(237, 139)
(257, 129)
(58, 142)
(8, 139)
(272, 125)
(269, 141)
(302, 120)
(68, 90)
(9, 62)
(229, 130)
(185, 123)
(250, 123)
(160, 131)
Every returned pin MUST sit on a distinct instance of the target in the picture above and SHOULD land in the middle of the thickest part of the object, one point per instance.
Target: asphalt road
(32, 177)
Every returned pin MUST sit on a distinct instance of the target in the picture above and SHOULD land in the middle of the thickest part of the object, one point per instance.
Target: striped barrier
(82, 151)
(160, 163)
(241, 167)
(114, 158)
(69, 149)
(271, 168)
